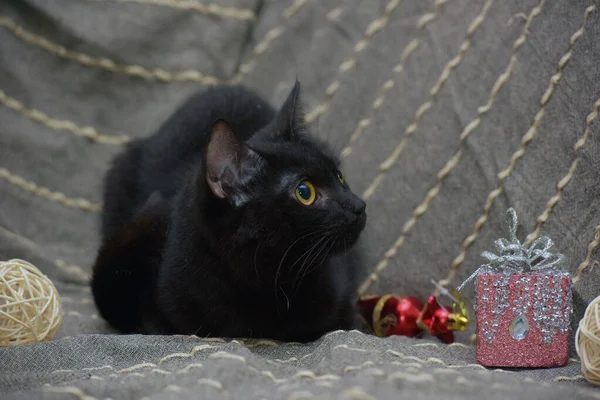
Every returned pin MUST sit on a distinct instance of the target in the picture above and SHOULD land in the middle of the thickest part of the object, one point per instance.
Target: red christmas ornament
(391, 315)
(407, 316)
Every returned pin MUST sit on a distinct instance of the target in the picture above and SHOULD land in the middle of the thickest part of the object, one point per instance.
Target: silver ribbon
(514, 257)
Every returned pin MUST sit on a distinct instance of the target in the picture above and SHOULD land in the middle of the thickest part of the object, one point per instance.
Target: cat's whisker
(305, 256)
(255, 265)
(197, 330)
(313, 258)
(286, 253)
(307, 252)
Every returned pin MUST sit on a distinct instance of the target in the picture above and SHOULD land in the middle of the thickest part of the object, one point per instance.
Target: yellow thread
(187, 368)
(357, 393)
(47, 194)
(334, 15)
(161, 371)
(311, 375)
(420, 378)
(136, 367)
(159, 74)
(229, 356)
(433, 93)
(434, 191)
(345, 346)
(588, 258)
(211, 382)
(390, 83)
(569, 378)
(105, 63)
(526, 139)
(412, 365)
(72, 390)
(374, 372)
(71, 270)
(268, 38)
(444, 371)
(358, 367)
(373, 27)
(564, 181)
(212, 340)
(242, 14)
(74, 314)
(173, 388)
(259, 343)
(61, 125)
(190, 354)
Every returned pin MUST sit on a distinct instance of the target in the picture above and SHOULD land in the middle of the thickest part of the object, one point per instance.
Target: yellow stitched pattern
(433, 93)
(159, 74)
(453, 161)
(411, 372)
(184, 355)
(526, 139)
(569, 378)
(211, 382)
(588, 257)
(357, 393)
(105, 63)
(80, 315)
(420, 378)
(242, 14)
(390, 83)
(374, 27)
(74, 271)
(268, 38)
(60, 125)
(72, 390)
(48, 194)
(564, 181)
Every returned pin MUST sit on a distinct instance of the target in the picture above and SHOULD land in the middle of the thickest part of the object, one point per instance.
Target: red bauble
(391, 315)
(436, 318)
(407, 316)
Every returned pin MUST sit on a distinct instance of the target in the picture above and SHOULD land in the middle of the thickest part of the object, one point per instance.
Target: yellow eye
(340, 177)
(306, 193)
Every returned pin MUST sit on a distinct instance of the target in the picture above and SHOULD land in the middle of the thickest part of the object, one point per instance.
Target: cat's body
(208, 230)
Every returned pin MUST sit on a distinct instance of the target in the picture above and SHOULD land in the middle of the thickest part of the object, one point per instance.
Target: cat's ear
(290, 119)
(230, 163)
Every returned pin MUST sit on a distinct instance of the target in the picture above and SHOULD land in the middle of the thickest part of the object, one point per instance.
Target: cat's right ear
(230, 164)
(289, 121)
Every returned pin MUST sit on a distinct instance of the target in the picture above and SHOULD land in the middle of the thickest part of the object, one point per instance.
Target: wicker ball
(587, 342)
(30, 308)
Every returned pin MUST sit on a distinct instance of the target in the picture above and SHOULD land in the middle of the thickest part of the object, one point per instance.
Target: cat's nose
(356, 206)
(360, 207)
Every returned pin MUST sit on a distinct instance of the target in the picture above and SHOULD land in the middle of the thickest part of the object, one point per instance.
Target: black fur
(203, 233)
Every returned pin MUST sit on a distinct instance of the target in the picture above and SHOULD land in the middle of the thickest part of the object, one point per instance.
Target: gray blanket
(446, 113)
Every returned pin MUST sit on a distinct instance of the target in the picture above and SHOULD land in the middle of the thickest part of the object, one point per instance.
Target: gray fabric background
(464, 85)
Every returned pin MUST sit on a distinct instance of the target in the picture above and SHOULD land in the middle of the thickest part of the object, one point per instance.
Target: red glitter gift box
(523, 304)
(523, 319)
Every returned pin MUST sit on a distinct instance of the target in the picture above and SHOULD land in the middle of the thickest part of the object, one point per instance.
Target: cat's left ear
(230, 164)
(290, 119)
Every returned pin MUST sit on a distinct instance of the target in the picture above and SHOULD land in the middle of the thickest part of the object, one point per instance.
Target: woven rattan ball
(587, 342)
(30, 308)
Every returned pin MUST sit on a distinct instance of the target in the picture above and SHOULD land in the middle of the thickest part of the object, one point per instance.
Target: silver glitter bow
(514, 257)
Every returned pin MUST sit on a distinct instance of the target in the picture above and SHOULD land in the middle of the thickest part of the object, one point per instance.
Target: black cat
(230, 221)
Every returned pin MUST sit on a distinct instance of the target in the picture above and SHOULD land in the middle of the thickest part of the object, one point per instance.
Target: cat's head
(285, 182)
